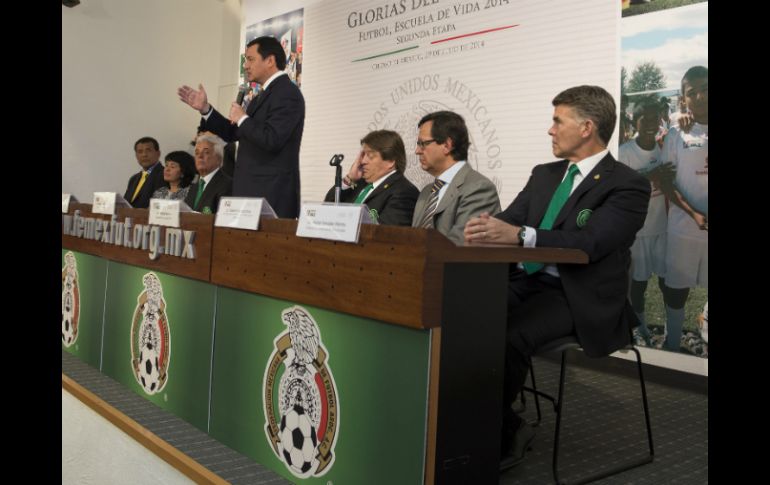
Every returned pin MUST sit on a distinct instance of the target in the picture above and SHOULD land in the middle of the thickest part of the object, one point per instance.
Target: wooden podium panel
(385, 276)
(393, 274)
(198, 268)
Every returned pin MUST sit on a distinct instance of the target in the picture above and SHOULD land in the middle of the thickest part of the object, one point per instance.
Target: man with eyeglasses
(458, 192)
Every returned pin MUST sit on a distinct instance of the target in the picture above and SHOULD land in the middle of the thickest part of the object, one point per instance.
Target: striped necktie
(430, 209)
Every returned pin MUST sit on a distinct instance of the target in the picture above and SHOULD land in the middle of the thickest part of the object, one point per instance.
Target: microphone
(243, 89)
(336, 162)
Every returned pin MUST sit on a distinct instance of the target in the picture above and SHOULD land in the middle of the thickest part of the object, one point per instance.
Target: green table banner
(317, 395)
(158, 338)
(83, 278)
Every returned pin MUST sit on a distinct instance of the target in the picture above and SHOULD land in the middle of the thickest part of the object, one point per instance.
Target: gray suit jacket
(469, 194)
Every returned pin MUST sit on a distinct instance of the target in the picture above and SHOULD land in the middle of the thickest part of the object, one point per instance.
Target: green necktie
(201, 183)
(364, 193)
(554, 207)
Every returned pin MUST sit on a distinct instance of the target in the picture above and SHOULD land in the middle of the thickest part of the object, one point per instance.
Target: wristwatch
(521, 236)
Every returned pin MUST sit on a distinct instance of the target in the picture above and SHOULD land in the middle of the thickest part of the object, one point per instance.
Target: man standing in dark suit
(586, 201)
(269, 132)
(377, 180)
(141, 185)
(213, 183)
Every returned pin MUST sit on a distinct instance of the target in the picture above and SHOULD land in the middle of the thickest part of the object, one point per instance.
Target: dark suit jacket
(221, 185)
(617, 198)
(393, 199)
(154, 182)
(267, 162)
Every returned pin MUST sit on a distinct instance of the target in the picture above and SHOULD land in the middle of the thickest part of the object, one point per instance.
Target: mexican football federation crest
(150, 337)
(70, 300)
(300, 398)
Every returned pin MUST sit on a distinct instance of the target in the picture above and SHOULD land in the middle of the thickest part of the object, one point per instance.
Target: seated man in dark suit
(141, 185)
(586, 201)
(377, 179)
(213, 183)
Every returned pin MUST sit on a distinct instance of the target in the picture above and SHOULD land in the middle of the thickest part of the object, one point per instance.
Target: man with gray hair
(213, 183)
(586, 201)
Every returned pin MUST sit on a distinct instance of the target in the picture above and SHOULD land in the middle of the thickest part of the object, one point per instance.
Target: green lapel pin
(583, 216)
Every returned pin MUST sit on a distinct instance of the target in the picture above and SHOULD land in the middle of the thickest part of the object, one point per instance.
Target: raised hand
(198, 100)
(356, 172)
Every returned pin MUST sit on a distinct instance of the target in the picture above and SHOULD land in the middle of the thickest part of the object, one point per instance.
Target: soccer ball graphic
(149, 372)
(298, 440)
(67, 330)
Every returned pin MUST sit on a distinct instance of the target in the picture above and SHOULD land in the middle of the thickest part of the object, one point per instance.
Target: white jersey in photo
(643, 161)
(689, 154)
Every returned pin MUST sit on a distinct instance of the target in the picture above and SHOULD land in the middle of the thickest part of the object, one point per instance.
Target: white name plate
(105, 202)
(66, 200)
(242, 212)
(325, 220)
(165, 212)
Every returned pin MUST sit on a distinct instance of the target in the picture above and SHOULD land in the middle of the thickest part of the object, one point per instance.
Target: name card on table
(340, 222)
(105, 202)
(243, 212)
(66, 200)
(165, 212)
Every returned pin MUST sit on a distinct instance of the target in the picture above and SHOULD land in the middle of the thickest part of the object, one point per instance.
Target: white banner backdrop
(371, 65)
(498, 63)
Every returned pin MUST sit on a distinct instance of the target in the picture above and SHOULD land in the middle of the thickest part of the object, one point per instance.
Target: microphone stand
(336, 161)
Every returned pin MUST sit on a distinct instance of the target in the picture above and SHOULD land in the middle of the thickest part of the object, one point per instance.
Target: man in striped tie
(589, 201)
(141, 185)
(458, 192)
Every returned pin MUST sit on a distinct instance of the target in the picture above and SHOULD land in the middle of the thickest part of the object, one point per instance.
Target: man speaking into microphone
(269, 131)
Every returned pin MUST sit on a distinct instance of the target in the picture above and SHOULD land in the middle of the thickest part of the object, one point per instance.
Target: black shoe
(522, 441)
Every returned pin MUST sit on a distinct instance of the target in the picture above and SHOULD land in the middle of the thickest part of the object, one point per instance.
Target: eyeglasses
(423, 144)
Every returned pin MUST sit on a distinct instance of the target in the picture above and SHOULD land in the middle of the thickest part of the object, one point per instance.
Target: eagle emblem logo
(70, 300)
(150, 337)
(300, 397)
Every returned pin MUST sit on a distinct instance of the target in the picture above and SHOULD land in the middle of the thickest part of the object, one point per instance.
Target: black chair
(562, 345)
